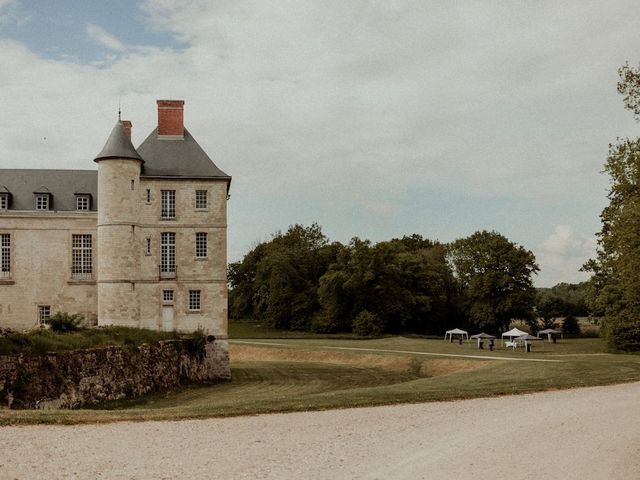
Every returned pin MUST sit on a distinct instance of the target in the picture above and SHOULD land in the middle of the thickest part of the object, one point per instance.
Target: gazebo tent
(513, 333)
(548, 332)
(482, 336)
(456, 331)
(526, 338)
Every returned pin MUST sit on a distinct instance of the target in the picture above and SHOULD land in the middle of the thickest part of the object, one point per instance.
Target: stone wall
(89, 377)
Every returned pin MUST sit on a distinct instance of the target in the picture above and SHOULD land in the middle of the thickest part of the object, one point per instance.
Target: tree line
(299, 280)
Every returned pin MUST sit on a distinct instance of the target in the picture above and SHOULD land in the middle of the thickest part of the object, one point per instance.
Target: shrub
(65, 322)
(623, 335)
(367, 324)
(571, 325)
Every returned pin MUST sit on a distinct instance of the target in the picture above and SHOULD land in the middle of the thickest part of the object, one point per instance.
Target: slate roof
(62, 184)
(177, 158)
(161, 157)
(118, 145)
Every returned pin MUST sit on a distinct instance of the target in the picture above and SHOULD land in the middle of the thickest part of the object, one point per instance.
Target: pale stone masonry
(141, 242)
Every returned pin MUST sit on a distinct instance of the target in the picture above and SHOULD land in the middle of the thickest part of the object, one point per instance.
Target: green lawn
(323, 373)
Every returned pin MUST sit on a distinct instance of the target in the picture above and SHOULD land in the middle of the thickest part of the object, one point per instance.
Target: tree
(406, 283)
(561, 300)
(277, 282)
(614, 289)
(495, 278)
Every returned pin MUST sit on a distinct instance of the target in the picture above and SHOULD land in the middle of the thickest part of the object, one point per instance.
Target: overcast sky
(373, 118)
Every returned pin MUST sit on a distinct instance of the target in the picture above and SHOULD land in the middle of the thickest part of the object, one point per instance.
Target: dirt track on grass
(590, 433)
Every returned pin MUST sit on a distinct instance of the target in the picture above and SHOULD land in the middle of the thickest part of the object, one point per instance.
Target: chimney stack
(171, 118)
(126, 125)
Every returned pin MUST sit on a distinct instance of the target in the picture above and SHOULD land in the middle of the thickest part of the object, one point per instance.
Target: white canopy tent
(511, 334)
(455, 331)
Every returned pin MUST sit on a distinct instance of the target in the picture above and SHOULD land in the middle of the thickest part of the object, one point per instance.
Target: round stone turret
(119, 168)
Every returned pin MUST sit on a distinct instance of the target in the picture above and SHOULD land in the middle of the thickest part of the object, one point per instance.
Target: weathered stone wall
(89, 377)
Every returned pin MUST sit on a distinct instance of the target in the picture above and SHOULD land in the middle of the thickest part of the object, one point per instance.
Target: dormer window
(83, 203)
(42, 202)
(4, 201)
(43, 198)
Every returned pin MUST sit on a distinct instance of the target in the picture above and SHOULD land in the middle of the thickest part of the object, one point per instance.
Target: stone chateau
(140, 242)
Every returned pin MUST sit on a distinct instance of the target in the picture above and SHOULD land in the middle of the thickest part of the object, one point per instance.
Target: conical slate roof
(118, 145)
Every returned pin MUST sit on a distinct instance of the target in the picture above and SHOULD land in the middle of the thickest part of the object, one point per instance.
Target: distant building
(141, 242)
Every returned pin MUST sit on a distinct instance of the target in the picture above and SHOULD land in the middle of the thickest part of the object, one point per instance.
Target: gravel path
(590, 433)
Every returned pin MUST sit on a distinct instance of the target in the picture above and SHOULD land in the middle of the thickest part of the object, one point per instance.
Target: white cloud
(353, 102)
(562, 254)
(104, 38)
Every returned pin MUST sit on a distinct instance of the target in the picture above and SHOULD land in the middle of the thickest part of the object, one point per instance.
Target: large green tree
(406, 283)
(614, 289)
(277, 281)
(495, 278)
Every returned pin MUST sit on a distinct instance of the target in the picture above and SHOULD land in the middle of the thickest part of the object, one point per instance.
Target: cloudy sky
(373, 118)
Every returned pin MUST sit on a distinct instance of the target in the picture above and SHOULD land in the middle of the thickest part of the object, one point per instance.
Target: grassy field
(292, 374)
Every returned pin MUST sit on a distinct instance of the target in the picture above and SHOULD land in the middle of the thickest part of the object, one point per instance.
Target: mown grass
(311, 374)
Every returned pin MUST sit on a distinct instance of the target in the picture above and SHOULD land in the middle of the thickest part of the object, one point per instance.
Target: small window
(42, 202)
(168, 204)
(133, 184)
(148, 195)
(201, 245)
(148, 246)
(4, 202)
(82, 202)
(201, 199)
(194, 300)
(44, 313)
(167, 296)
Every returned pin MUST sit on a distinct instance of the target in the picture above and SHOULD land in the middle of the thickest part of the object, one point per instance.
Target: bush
(65, 322)
(367, 324)
(623, 335)
(571, 325)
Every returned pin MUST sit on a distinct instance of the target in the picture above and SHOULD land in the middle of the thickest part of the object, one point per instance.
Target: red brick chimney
(126, 125)
(171, 118)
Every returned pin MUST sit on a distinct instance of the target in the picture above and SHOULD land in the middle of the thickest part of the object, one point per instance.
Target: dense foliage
(614, 290)
(560, 301)
(300, 281)
(496, 279)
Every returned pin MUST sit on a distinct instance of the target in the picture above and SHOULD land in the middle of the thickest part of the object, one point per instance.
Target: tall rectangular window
(5, 255)
(42, 202)
(168, 204)
(201, 245)
(82, 202)
(44, 313)
(168, 254)
(148, 246)
(81, 256)
(201, 199)
(4, 202)
(194, 300)
(148, 195)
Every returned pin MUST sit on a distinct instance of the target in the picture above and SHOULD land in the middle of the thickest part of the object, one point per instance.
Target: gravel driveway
(590, 433)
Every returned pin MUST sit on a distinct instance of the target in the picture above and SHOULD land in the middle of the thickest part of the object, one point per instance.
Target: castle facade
(140, 242)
